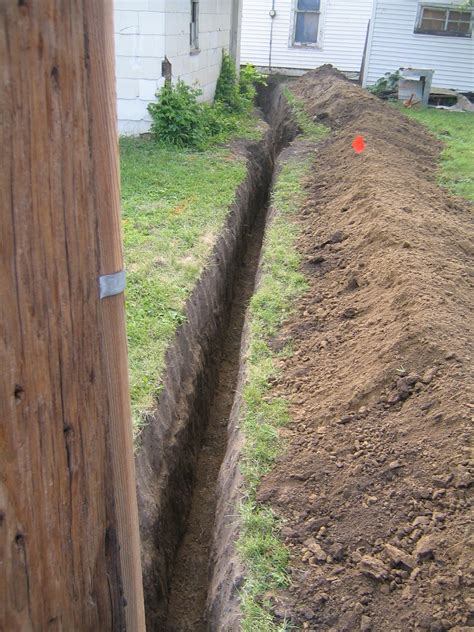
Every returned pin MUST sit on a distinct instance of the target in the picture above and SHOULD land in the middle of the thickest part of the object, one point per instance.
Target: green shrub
(386, 85)
(249, 79)
(237, 95)
(181, 121)
(218, 122)
(227, 88)
(177, 116)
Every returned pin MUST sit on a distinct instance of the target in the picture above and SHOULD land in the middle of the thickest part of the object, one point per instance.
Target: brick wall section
(146, 31)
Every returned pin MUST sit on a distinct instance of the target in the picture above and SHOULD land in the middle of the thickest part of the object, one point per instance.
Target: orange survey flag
(358, 144)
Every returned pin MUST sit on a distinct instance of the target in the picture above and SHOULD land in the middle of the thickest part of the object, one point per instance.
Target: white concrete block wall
(139, 50)
(152, 22)
(126, 22)
(201, 68)
(146, 31)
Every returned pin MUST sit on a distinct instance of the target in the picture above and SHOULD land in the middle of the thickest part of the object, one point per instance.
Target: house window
(194, 26)
(436, 20)
(306, 26)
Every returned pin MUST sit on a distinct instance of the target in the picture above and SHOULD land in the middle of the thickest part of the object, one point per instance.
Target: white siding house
(299, 35)
(402, 36)
(190, 33)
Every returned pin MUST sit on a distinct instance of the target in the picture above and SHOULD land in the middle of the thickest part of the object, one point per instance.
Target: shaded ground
(375, 485)
(189, 583)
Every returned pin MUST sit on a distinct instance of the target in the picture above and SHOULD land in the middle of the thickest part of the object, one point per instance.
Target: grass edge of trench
(259, 546)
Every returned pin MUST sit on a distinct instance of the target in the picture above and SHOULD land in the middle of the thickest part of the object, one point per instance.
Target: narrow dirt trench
(189, 582)
(183, 491)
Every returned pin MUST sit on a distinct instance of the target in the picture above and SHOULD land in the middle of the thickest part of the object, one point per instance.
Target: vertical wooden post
(69, 548)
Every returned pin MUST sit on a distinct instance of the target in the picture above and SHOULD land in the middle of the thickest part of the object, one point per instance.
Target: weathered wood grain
(69, 552)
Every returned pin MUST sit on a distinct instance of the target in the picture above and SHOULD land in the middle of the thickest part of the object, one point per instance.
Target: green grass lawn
(174, 204)
(456, 130)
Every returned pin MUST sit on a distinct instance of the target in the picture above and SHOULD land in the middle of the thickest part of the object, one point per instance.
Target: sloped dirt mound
(374, 487)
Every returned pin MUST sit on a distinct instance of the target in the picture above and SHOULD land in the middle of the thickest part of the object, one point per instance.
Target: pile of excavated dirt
(374, 486)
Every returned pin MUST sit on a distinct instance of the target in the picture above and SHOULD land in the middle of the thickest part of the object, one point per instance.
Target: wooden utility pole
(69, 544)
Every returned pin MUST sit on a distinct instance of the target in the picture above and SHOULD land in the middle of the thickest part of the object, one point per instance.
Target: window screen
(307, 14)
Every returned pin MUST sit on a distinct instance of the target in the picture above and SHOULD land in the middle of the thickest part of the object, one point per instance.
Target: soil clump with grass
(374, 485)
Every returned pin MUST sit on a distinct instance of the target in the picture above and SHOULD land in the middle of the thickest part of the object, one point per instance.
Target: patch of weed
(264, 555)
(281, 283)
(310, 130)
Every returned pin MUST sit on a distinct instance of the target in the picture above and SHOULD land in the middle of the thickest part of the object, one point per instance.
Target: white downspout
(369, 44)
(235, 35)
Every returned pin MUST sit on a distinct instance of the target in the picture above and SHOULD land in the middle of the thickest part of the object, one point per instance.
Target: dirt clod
(373, 567)
(399, 558)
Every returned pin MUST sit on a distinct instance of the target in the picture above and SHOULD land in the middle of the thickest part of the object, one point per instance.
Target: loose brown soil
(374, 487)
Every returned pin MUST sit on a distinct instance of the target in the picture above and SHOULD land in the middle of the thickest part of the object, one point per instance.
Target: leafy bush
(227, 88)
(181, 121)
(249, 79)
(177, 116)
(218, 122)
(237, 96)
(386, 84)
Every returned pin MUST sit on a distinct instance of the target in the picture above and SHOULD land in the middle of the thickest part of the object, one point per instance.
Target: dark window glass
(308, 5)
(433, 25)
(194, 27)
(306, 31)
(434, 20)
(462, 16)
(459, 27)
(436, 14)
(459, 22)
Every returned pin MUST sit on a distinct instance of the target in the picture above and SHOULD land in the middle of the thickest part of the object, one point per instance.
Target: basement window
(306, 22)
(194, 26)
(436, 20)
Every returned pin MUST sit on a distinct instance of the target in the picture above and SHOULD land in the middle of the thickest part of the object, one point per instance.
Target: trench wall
(226, 571)
(170, 443)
